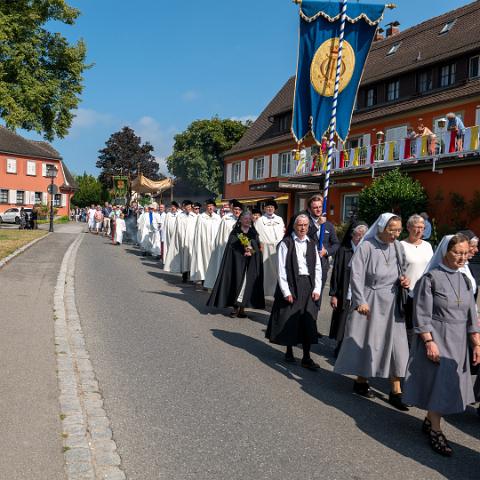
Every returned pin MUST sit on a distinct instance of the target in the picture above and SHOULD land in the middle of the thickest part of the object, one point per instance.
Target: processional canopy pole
(332, 52)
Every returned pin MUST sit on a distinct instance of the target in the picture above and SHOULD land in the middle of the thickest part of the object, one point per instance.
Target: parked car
(12, 215)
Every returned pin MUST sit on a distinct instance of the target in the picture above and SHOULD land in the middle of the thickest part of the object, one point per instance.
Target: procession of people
(400, 311)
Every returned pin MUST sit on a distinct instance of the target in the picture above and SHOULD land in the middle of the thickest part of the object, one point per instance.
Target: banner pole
(333, 120)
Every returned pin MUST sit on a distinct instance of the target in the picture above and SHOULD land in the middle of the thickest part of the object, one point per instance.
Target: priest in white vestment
(226, 226)
(179, 251)
(155, 249)
(163, 215)
(169, 226)
(143, 231)
(271, 230)
(206, 231)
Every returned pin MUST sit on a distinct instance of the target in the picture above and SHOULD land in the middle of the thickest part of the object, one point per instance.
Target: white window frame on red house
(20, 198)
(11, 165)
(32, 168)
(3, 195)
(285, 164)
(37, 197)
(236, 172)
(259, 168)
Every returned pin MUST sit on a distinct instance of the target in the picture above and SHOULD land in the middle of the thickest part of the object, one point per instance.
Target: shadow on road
(391, 428)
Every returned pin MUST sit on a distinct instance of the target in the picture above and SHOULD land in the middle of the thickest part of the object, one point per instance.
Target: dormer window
(447, 27)
(394, 48)
(284, 122)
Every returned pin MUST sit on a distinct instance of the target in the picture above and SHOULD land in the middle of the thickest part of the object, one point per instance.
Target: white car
(12, 215)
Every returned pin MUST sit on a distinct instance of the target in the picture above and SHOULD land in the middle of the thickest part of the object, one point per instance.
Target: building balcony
(408, 151)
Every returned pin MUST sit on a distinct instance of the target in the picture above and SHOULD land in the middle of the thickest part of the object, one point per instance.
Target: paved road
(193, 394)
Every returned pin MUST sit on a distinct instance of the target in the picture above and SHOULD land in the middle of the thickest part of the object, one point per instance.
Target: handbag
(402, 292)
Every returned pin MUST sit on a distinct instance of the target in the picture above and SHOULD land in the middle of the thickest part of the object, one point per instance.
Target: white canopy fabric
(144, 185)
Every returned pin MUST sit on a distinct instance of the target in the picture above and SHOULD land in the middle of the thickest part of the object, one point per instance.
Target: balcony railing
(404, 150)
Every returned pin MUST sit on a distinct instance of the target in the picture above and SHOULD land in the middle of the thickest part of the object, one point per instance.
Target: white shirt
(301, 251)
(417, 257)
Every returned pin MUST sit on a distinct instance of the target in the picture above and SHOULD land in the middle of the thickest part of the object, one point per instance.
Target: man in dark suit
(330, 239)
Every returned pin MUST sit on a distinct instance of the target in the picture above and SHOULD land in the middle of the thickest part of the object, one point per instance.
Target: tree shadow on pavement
(395, 430)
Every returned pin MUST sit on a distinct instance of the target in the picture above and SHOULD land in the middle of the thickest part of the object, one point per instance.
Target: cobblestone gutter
(90, 452)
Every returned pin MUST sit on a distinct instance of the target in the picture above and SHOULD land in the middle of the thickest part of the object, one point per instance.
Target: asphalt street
(194, 394)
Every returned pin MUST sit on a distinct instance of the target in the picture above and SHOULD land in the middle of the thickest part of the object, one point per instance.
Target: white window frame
(448, 74)
(37, 197)
(425, 82)
(11, 165)
(259, 168)
(371, 97)
(3, 191)
(447, 27)
(393, 91)
(394, 48)
(57, 200)
(285, 164)
(344, 204)
(236, 172)
(22, 197)
(32, 168)
(473, 61)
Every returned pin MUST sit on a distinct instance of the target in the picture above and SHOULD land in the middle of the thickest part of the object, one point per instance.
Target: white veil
(378, 226)
(440, 252)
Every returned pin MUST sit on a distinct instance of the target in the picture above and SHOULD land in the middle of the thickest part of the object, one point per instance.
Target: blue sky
(161, 64)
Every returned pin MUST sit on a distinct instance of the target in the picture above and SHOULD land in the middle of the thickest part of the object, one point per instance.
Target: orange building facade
(23, 174)
(418, 84)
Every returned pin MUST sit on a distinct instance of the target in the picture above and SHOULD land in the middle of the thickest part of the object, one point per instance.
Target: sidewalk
(31, 442)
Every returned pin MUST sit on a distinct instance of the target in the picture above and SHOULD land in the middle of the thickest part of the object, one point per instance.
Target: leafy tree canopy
(393, 192)
(124, 154)
(89, 191)
(40, 72)
(198, 151)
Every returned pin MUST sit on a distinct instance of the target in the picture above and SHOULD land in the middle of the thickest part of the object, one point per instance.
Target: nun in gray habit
(375, 342)
(444, 316)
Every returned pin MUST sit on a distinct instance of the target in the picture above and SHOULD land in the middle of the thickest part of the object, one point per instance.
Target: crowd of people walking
(400, 310)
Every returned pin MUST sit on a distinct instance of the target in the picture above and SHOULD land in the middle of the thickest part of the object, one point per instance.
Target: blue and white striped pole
(333, 119)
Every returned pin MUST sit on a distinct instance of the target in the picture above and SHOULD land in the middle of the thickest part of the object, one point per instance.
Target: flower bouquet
(245, 241)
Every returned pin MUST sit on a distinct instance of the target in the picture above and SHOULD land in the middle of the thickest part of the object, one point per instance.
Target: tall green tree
(90, 191)
(198, 151)
(124, 154)
(40, 71)
(392, 192)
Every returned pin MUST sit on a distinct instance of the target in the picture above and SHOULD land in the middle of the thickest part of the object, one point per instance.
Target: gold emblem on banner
(324, 67)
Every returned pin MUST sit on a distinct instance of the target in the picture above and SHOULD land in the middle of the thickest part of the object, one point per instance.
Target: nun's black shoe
(395, 400)
(309, 364)
(363, 389)
(289, 358)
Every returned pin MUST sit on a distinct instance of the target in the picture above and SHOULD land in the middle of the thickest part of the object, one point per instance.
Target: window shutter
(44, 169)
(275, 158)
(26, 197)
(266, 166)
(11, 165)
(250, 168)
(44, 198)
(242, 170)
(366, 140)
(12, 197)
(228, 177)
(64, 200)
(32, 198)
(293, 164)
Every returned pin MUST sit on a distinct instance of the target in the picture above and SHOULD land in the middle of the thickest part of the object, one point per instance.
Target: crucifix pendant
(459, 302)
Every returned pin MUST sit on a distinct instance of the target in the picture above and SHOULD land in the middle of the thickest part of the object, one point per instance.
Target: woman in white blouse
(418, 253)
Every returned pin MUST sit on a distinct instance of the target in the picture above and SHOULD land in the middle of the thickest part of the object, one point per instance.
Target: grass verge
(11, 240)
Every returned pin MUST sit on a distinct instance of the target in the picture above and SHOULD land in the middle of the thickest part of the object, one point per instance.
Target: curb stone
(20, 250)
(90, 453)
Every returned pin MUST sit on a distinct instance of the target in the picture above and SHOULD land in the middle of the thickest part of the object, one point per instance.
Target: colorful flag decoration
(317, 64)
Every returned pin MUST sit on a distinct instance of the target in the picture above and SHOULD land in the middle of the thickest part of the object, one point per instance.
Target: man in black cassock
(294, 313)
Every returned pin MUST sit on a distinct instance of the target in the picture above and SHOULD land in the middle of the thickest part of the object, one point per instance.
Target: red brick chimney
(379, 35)
(392, 29)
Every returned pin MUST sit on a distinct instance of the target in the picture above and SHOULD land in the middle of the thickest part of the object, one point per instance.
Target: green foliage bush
(392, 192)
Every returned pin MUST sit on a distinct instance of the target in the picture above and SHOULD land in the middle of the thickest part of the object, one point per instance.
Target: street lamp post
(52, 171)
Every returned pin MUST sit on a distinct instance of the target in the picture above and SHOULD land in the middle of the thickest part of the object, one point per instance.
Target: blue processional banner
(317, 64)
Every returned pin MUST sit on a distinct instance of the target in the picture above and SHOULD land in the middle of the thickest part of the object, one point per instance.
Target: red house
(412, 77)
(23, 170)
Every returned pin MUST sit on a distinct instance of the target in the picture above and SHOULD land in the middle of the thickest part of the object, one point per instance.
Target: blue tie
(150, 214)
